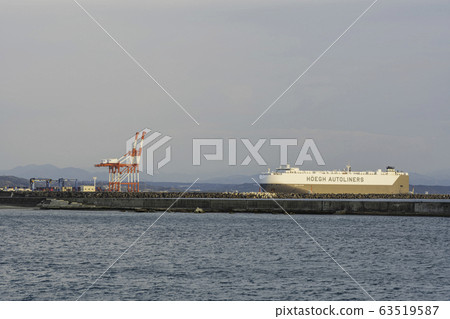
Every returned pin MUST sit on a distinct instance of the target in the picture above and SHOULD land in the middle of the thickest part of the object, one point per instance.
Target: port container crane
(124, 171)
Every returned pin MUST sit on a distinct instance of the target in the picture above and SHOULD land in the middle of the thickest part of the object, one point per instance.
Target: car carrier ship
(288, 179)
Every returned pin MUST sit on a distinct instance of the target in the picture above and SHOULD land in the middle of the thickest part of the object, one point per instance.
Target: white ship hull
(293, 180)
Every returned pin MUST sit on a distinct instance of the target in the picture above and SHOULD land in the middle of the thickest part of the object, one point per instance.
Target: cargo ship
(286, 179)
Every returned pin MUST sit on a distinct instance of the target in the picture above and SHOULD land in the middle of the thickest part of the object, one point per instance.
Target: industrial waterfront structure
(124, 171)
(61, 183)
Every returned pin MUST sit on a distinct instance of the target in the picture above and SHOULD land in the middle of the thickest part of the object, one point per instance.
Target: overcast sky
(69, 96)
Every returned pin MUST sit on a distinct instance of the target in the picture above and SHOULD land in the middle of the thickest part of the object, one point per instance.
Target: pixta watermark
(152, 142)
(281, 145)
(212, 149)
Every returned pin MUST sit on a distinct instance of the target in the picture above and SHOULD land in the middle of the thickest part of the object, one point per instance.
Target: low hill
(13, 181)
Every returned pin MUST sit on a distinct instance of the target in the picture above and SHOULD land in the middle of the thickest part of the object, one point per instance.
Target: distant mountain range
(53, 172)
(438, 178)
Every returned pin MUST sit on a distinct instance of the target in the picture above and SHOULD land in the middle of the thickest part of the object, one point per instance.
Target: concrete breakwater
(291, 206)
(223, 195)
(407, 204)
(21, 201)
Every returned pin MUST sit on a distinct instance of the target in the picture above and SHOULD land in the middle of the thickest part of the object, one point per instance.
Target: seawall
(294, 206)
(21, 201)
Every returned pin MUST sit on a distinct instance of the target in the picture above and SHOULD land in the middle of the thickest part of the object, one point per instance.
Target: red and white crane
(124, 171)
